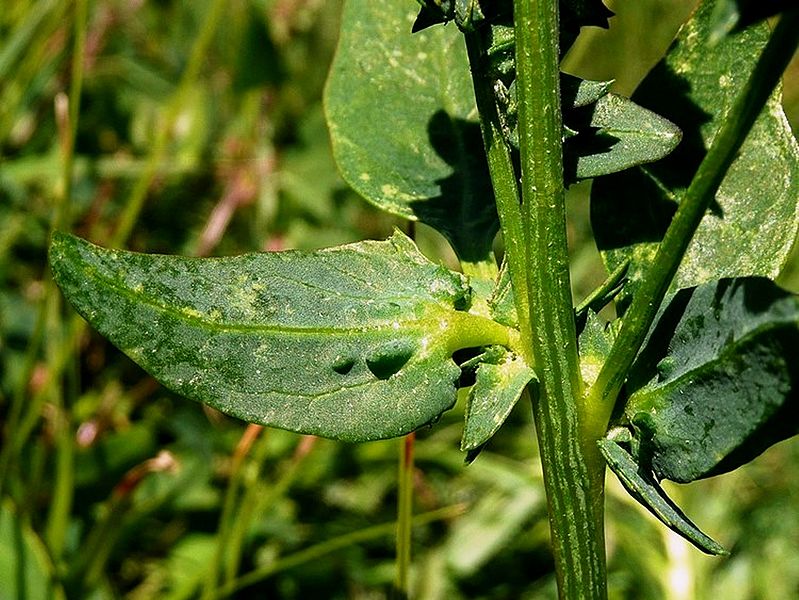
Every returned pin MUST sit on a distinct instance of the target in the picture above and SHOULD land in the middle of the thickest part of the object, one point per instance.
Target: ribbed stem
(506, 190)
(573, 468)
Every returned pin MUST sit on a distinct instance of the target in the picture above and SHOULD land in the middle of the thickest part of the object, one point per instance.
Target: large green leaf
(717, 381)
(404, 127)
(752, 225)
(353, 342)
(417, 150)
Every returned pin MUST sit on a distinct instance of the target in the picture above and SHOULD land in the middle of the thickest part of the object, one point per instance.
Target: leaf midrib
(179, 315)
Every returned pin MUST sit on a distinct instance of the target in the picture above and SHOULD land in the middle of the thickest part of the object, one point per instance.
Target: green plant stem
(20, 424)
(573, 468)
(15, 438)
(69, 118)
(255, 496)
(63, 480)
(231, 508)
(506, 190)
(23, 54)
(404, 515)
(332, 545)
(98, 546)
(247, 497)
(693, 206)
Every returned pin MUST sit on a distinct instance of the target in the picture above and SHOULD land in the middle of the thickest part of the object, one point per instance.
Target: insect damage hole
(389, 360)
(342, 366)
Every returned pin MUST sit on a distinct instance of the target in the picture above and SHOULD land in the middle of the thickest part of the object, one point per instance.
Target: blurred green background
(200, 131)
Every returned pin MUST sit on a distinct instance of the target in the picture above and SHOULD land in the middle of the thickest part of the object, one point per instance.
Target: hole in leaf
(343, 366)
(468, 360)
(388, 361)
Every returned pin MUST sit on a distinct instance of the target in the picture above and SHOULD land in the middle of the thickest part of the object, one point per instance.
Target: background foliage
(201, 132)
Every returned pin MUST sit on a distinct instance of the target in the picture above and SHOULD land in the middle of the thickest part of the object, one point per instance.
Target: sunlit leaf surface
(353, 342)
(752, 224)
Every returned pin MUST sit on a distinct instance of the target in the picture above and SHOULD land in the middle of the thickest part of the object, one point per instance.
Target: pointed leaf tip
(642, 486)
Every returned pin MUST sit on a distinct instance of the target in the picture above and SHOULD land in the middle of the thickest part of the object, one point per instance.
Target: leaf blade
(353, 342)
(499, 384)
(753, 224)
(618, 135)
(716, 383)
(646, 491)
(417, 153)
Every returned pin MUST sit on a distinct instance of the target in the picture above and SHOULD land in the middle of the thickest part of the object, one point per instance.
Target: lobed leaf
(752, 226)
(353, 342)
(471, 14)
(501, 379)
(603, 133)
(404, 126)
(615, 134)
(467, 14)
(717, 381)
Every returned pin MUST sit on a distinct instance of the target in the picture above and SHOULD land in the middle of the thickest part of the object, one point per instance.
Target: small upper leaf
(467, 14)
(595, 341)
(752, 226)
(353, 343)
(501, 379)
(502, 303)
(615, 134)
(604, 133)
(404, 127)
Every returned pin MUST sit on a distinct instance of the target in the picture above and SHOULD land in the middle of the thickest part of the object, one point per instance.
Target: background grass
(200, 131)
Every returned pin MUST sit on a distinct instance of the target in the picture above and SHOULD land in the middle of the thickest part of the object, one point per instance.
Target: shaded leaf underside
(717, 382)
